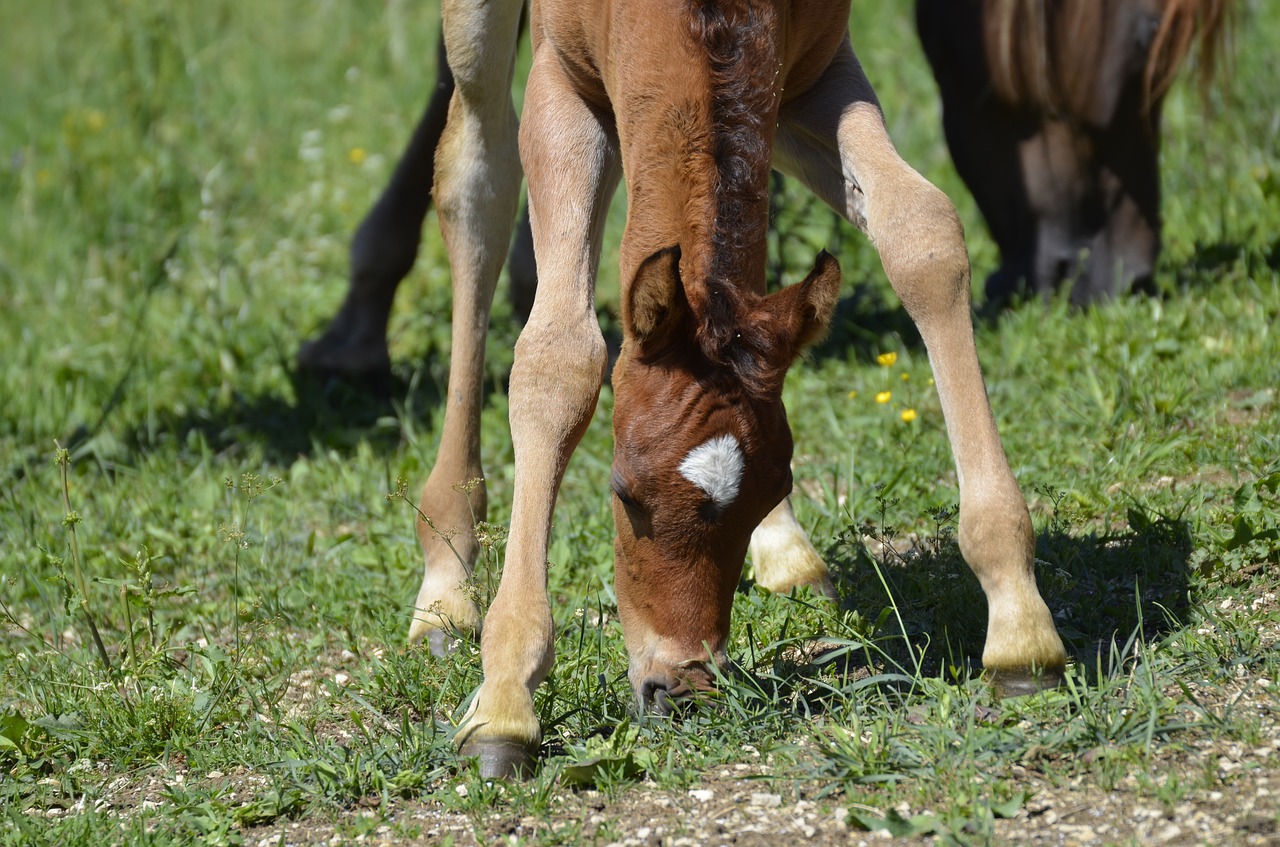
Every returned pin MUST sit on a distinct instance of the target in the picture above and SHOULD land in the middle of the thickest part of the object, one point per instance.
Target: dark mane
(1046, 55)
(739, 37)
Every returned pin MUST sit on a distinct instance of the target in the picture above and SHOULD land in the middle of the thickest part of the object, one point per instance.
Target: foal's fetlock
(783, 557)
(503, 739)
(1023, 653)
(444, 608)
(781, 565)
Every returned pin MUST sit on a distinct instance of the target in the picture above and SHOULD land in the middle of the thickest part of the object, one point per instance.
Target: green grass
(177, 184)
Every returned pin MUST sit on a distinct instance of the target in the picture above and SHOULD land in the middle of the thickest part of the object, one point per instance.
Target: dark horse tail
(1046, 55)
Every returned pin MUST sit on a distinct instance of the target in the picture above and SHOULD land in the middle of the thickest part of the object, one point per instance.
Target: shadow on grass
(321, 415)
(1105, 591)
(1101, 588)
(861, 323)
(1210, 261)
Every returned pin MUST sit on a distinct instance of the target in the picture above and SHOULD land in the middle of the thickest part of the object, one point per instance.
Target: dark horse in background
(1051, 110)
(1052, 114)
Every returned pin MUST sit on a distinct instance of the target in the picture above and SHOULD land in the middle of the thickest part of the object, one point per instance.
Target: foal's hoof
(500, 758)
(1020, 682)
(441, 643)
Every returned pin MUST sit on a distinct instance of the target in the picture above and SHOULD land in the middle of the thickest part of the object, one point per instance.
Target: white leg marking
(716, 467)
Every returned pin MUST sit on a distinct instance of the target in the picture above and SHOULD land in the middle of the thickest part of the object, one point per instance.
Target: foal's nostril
(655, 698)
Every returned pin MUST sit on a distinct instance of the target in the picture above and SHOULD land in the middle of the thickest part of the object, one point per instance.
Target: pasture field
(204, 585)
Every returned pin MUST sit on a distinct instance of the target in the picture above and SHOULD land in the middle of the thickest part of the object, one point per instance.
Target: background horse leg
(572, 165)
(385, 248)
(782, 556)
(477, 191)
(834, 139)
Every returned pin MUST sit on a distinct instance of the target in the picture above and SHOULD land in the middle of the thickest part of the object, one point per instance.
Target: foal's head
(702, 453)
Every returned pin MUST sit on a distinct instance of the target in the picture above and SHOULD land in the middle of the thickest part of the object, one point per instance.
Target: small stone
(766, 801)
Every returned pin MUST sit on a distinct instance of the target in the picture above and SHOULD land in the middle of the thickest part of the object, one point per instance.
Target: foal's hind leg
(782, 556)
(572, 167)
(477, 189)
(833, 138)
(384, 249)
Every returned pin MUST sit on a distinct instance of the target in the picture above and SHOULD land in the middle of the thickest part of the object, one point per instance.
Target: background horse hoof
(1018, 683)
(333, 358)
(500, 758)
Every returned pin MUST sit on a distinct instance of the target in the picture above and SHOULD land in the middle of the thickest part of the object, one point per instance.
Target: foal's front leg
(834, 139)
(477, 189)
(572, 168)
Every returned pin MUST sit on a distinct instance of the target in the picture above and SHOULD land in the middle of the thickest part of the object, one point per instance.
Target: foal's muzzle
(661, 694)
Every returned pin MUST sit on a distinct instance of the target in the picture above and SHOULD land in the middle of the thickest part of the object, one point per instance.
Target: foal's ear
(805, 308)
(656, 302)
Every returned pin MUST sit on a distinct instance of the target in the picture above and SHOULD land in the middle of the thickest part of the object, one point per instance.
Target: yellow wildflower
(905, 376)
(853, 393)
(883, 397)
(357, 155)
(908, 415)
(887, 359)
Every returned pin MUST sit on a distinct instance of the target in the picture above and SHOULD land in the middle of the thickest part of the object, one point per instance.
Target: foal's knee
(560, 360)
(921, 243)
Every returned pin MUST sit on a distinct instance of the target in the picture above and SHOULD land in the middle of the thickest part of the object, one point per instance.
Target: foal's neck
(696, 119)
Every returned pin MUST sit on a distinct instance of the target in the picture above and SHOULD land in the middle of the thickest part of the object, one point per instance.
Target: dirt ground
(731, 810)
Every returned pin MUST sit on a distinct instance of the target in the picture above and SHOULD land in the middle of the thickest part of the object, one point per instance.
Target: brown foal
(692, 102)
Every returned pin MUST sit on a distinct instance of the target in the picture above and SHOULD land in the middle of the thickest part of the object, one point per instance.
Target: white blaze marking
(715, 466)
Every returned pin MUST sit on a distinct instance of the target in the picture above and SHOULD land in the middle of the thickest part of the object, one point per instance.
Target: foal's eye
(710, 511)
(623, 493)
